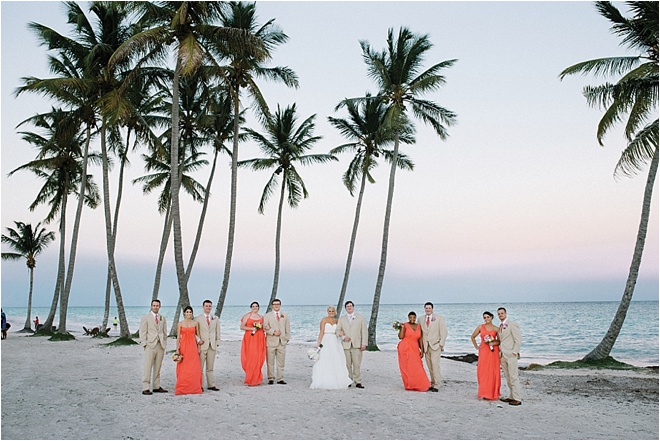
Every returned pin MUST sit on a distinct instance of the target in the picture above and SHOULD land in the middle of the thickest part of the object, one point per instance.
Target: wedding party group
(338, 353)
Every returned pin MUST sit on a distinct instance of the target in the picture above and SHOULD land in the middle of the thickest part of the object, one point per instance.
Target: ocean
(551, 330)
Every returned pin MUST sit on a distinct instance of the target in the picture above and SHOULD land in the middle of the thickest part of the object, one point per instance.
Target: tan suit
(510, 340)
(357, 331)
(276, 344)
(433, 341)
(210, 333)
(153, 338)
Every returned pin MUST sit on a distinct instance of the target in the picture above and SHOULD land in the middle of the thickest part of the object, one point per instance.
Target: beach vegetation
(396, 71)
(367, 129)
(633, 98)
(61, 336)
(604, 363)
(285, 143)
(122, 341)
(28, 243)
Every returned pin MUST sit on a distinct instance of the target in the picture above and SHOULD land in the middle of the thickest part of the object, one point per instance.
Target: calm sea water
(551, 331)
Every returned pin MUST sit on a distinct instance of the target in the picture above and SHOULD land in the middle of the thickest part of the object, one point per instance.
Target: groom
(209, 332)
(352, 329)
(278, 333)
(434, 334)
(153, 338)
(510, 340)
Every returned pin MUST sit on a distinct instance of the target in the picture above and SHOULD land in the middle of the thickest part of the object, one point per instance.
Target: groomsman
(278, 333)
(153, 338)
(352, 329)
(209, 330)
(510, 340)
(434, 334)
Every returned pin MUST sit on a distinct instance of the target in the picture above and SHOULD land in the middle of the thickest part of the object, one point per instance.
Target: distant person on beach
(434, 335)
(4, 325)
(115, 322)
(153, 338)
(329, 371)
(410, 352)
(189, 368)
(510, 340)
(488, 366)
(36, 323)
(352, 329)
(278, 333)
(253, 347)
(209, 331)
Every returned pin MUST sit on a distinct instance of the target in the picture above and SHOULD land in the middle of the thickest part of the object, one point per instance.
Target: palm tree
(27, 242)
(635, 95)
(396, 71)
(367, 127)
(285, 144)
(246, 62)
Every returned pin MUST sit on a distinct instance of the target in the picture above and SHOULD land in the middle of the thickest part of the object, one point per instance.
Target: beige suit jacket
(152, 334)
(510, 339)
(284, 326)
(435, 334)
(356, 330)
(210, 333)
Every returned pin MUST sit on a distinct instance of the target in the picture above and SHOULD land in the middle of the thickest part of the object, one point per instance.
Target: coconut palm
(285, 144)
(245, 64)
(367, 127)
(396, 72)
(633, 97)
(28, 243)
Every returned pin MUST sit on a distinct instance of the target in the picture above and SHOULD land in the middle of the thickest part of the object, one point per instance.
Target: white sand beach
(84, 390)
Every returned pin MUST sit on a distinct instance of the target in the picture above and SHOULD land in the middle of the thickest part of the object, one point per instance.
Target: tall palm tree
(28, 243)
(396, 71)
(634, 96)
(245, 64)
(367, 127)
(285, 144)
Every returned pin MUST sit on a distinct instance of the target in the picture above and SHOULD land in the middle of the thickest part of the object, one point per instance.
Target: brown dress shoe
(281, 382)
(213, 388)
(506, 400)
(146, 392)
(359, 386)
(515, 403)
(160, 390)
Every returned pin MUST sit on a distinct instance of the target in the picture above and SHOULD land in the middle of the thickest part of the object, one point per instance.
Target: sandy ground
(84, 390)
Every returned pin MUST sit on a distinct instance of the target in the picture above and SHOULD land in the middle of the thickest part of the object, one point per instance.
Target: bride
(329, 371)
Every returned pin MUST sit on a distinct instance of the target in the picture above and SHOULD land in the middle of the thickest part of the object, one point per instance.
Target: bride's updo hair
(254, 303)
(188, 308)
(330, 307)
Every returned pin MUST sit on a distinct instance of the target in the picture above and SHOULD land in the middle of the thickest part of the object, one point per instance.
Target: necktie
(156, 319)
(208, 320)
(428, 321)
(277, 314)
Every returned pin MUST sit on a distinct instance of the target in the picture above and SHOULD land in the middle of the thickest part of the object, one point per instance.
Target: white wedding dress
(330, 372)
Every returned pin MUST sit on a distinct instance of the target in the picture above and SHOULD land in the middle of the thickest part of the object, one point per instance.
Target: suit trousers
(275, 353)
(433, 363)
(510, 367)
(208, 356)
(353, 362)
(153, 360)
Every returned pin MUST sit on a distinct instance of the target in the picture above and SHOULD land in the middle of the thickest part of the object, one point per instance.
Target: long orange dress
(253, 353)
(410, 363)
(189, 370)
(488, 368)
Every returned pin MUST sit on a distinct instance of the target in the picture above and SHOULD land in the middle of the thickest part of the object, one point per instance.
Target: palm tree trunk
(278, 238)
(351, 247)
(167, 228)
(59, 284)
(64, 298)
(28, 320)
(604, 348)
(232, 207)
(383, 254)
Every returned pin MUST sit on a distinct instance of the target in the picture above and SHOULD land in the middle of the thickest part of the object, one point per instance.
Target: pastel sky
(519, 204)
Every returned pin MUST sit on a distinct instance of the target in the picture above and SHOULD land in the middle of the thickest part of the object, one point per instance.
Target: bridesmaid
(189, 370)
(488, 366)
(411, 351)
(253, 348)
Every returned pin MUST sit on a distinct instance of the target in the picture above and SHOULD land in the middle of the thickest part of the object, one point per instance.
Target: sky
(518, 204)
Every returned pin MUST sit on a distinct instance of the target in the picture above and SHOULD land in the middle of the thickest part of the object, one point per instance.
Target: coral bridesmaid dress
(188, 371)
(253, 353)
(410, 363)
(488, 368)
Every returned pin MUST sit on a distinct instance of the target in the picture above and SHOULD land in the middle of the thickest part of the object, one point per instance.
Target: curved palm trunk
(604, 348)
(351, 247)
(232, 208)
(110, 242)
(383, 254)
(28, 320)
(64, 298)
(167, 228)
(59, 284)
(278, 237)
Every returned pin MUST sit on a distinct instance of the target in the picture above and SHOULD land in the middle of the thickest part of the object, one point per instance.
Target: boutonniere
(433, 318)
(160, 318)
(504, 326)
(281, 315)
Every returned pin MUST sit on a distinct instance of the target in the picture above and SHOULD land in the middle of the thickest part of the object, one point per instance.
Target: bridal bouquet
(178, 358)
(257, 326)
(313, 354)
(487, 340)
(397, 326)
